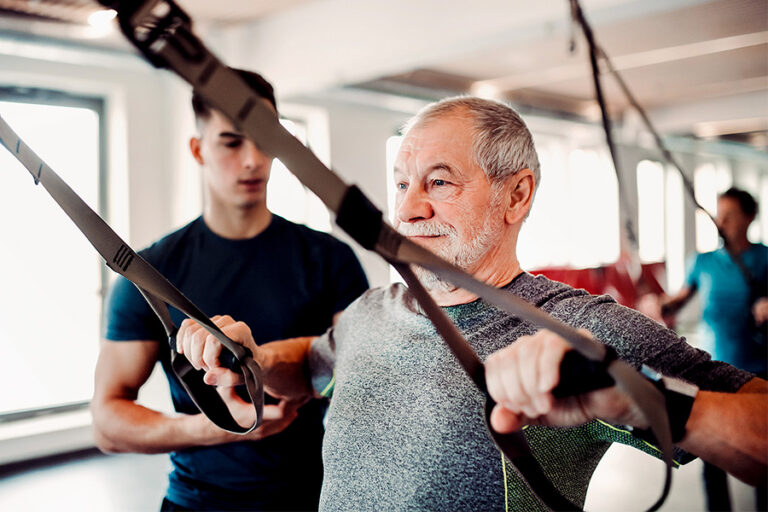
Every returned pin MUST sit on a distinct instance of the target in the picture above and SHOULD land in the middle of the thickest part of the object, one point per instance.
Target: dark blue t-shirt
(286, 282)
(727, 327)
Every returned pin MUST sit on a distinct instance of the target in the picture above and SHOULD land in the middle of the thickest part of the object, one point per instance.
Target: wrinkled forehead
(447, 137)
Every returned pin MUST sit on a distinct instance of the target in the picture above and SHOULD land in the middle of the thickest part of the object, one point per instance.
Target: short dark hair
(746, 201)
(257, 82)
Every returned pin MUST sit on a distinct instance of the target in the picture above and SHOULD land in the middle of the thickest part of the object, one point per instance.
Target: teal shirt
(727, 328)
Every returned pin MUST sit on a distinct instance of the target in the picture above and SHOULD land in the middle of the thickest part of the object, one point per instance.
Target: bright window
(661, 219)
(50, 276)
(674, 229)
(287, 197)
(574, 221)
(650, 211)
(709, 180)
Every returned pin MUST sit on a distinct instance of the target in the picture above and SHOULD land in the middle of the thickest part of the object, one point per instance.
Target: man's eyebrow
(442, 166)
(231, 134)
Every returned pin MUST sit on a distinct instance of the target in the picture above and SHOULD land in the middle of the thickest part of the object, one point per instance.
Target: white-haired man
(405, 426)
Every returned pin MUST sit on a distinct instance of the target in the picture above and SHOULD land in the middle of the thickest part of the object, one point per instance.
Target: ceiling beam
(329, 43)
(621, 62)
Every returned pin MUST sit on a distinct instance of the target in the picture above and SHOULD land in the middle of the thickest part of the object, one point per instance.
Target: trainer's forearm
(730, 430)
(286, 370)
(121, 426)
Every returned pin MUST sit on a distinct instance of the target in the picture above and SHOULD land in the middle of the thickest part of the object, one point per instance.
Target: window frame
(98, 104)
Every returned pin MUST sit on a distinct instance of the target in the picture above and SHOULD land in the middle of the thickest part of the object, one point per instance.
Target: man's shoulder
(383, 298)
(704, 259)
(307, 234)
(539, 289)
(159, 247)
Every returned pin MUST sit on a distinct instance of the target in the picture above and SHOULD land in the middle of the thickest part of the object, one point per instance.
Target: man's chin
(433, 244)
(432, 282)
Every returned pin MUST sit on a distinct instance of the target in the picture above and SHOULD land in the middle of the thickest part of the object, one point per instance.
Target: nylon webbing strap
(595, 51)
(162, 32)
(153, 286)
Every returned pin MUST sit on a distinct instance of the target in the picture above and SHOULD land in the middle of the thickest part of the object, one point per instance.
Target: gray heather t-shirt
(405, 427)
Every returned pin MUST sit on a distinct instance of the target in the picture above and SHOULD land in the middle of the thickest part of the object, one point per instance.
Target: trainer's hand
(760, 310)
(521, 378)
(202, 349)
(276, 417)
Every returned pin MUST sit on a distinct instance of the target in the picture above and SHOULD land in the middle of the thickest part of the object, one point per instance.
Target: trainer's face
(731, 219)
(444, 200)
(235, 172)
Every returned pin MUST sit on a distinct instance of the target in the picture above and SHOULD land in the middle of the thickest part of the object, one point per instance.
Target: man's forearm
(286, 371)
(730, 430)
(121, 426)
(671, 305)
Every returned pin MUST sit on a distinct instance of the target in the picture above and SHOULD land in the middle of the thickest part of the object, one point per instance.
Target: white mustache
(423, 229)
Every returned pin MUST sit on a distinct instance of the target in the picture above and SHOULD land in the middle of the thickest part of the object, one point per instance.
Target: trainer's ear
(194, 148)
(519, 190)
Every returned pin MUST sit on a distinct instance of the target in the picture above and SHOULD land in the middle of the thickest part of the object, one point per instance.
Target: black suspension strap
(162, 32)
(628, 229)
(157, 290)
(596, 52)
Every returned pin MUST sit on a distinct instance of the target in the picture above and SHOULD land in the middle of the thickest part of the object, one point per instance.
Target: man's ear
(518, 192)
(194, 148)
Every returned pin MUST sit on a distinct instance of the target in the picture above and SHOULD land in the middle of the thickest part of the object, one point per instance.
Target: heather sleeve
(322, 356)
(639, 340)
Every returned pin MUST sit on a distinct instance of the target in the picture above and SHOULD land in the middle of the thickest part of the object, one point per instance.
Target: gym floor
(89, 481)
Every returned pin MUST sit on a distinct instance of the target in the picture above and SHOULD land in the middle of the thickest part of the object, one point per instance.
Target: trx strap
(162, 32)
(157, 291)
(756, 288)
(628, 229)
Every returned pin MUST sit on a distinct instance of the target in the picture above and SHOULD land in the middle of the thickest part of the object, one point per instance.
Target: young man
(405, 428)
(238, 256)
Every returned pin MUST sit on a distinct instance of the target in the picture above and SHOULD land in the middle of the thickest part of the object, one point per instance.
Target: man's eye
(233, 143)
(439, 183)
(401, 186)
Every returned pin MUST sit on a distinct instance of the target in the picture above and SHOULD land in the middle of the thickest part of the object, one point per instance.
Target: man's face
(234, 170)
(444, 200)
(731, 219)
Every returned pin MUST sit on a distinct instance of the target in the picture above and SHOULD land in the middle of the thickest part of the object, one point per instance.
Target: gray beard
(460, 255)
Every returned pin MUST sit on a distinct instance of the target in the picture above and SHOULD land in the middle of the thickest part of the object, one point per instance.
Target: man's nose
(720, 222)
(252, 157)
(414, 205)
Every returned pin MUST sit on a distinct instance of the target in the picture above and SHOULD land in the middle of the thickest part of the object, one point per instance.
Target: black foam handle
(228, 360)
(580, 375)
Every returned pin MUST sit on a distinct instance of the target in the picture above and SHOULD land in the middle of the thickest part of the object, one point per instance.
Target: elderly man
(405, 427)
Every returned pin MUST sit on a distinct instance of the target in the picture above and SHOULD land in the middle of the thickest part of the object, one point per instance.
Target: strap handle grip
(579, 375)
